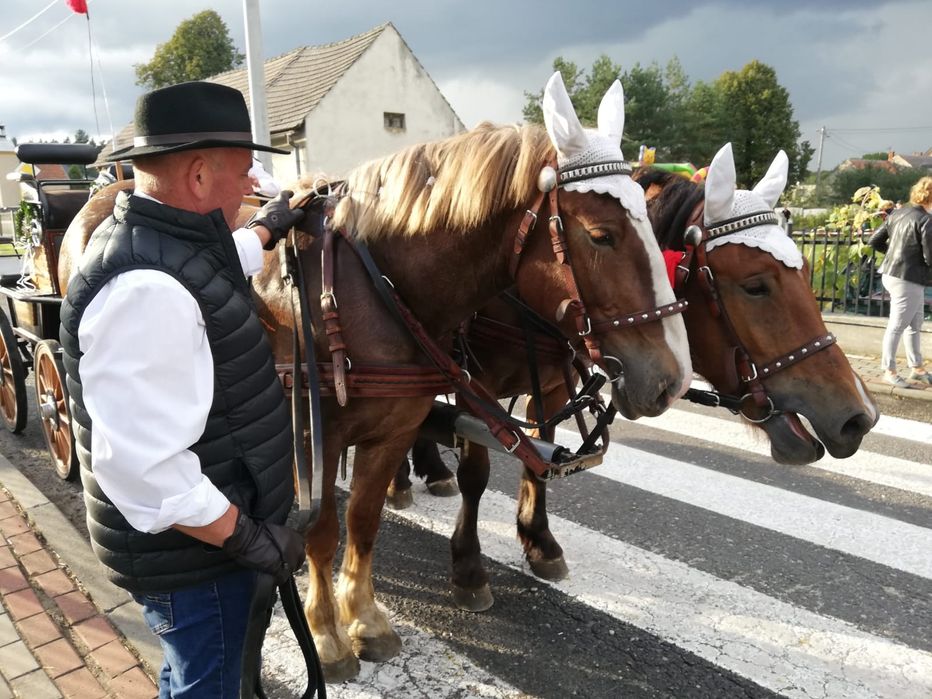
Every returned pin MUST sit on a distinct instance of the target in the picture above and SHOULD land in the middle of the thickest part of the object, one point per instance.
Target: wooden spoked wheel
(13, 405)
(52, 406)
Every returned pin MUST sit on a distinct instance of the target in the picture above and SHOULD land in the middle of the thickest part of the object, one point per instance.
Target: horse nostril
(856, 427)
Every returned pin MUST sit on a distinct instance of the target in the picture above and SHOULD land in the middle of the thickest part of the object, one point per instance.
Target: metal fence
(844, 272)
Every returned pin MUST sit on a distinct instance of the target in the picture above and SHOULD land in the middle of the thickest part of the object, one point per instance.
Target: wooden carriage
(29, 326)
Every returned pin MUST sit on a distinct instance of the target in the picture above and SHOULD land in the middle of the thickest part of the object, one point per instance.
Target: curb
(913, 393)
(75, 552)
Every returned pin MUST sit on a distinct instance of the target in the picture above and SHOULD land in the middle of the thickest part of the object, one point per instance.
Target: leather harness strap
(480, 402)
(331, 316)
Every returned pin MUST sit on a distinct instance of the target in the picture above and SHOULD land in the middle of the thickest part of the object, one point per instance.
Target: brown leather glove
(277, 216)
(269, 548)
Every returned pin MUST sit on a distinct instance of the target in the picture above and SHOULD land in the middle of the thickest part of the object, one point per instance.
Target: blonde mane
(452, 185)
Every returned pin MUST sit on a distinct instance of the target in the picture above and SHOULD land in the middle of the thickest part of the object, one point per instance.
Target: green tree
(892, 185)
(704, 124)
(80, 136)
(759, 121)
(200, 47)
(581, 88)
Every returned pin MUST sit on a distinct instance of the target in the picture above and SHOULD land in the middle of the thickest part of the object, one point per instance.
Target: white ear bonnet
(590, 159)
(746, 217)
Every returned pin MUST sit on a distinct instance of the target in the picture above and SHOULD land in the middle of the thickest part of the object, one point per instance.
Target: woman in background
(906, 238)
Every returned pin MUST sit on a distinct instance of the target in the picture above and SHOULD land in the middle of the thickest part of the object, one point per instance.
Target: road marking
(864, 465)
(877, 538)
(788, 649)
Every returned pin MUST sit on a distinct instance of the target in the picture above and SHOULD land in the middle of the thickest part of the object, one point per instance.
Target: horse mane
(670, 210)
(452, 185)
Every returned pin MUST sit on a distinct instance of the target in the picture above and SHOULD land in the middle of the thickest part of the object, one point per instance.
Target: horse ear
(612, 113)
(773, 183)
(566, 133)
(720, 186)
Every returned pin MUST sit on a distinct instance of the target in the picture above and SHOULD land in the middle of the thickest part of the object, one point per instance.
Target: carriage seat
(57, 153)
(60, 207)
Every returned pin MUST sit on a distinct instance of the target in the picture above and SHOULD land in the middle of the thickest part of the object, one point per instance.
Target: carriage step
(450, 426)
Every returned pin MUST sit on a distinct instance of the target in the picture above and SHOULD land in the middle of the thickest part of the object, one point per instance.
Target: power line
(45, 34)
(883, 129)
(30, 20)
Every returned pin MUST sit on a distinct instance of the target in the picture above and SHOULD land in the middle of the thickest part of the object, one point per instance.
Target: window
(394, 121)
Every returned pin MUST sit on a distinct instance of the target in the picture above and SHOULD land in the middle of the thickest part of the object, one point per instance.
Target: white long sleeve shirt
(147, 375)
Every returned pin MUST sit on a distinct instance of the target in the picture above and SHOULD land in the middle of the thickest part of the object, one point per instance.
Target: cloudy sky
(861, 69)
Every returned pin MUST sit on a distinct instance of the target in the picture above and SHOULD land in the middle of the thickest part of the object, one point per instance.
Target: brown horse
(771, 309)
(441, 222)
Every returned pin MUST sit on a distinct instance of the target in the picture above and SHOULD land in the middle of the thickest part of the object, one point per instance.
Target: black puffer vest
(246, 448)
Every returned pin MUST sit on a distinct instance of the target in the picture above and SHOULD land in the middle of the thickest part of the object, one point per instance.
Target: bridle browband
(750, 374)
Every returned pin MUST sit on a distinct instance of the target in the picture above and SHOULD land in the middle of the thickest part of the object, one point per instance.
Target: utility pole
(818, 177)
(255, 69)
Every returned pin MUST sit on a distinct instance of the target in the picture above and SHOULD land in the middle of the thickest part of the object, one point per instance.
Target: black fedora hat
(188, 116)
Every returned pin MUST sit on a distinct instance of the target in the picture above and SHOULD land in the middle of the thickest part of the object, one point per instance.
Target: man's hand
(270, 548)
(277, 217)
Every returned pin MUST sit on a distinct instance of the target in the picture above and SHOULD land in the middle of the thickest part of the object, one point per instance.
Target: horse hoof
(341, 670)
(400, 499)
(477, 600)
(445, 488)
(550, 569)
(377, 649)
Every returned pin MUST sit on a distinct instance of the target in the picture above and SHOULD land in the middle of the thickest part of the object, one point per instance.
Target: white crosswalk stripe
(770, 640)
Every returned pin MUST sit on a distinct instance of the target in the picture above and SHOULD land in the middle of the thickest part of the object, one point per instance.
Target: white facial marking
(674, 329)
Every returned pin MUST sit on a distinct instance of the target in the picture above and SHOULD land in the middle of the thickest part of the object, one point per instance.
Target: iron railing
(844, 272)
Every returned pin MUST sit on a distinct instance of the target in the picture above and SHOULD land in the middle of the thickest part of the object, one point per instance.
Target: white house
(338, 105)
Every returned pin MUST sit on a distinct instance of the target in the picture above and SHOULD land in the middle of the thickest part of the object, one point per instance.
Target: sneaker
(925, 377)
(895, 380)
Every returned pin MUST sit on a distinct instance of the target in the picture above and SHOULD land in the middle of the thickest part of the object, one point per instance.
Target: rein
(749, 374)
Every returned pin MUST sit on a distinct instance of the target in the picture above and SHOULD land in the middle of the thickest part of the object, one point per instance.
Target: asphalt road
(698, 569)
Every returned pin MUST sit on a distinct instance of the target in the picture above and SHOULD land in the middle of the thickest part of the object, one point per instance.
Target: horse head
(764, 340)
(630, 312)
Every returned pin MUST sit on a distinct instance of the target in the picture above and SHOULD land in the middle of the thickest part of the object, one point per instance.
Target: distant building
(863, 163)
(338, 105)
(920, 161)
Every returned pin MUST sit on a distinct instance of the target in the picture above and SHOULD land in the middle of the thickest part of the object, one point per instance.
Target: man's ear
(199, 177)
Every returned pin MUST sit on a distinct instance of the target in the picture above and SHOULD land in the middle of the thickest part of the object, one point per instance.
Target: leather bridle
(549, 183)
(750, 374)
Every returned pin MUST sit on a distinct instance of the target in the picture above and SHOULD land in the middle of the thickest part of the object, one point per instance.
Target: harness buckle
(558, 221)
(517, 443)
(329, 295)
(530, 220)
(748, 379)
(708, 274)
(588, 330)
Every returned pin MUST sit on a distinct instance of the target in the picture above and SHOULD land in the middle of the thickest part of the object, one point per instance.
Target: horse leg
(369, 629)
(333, 644)
(429, 465)
(399, 495)
(470, 581)
(543, 553)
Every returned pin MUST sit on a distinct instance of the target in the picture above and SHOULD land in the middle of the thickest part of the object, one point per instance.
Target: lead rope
(308, 494)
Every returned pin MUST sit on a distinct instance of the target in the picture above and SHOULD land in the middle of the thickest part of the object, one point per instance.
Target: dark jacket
(906, 238)
(246, 447)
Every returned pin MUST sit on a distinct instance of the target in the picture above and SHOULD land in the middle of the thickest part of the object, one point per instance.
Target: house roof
(297, 81)
(861, 164)
(917, 160)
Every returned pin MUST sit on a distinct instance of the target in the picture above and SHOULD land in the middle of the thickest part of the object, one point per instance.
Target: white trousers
(906, 300)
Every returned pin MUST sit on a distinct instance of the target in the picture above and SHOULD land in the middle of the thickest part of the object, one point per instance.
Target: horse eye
(756, 288)
(600, 237)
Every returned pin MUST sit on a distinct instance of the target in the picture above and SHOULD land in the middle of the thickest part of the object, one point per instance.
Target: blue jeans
(201, 630)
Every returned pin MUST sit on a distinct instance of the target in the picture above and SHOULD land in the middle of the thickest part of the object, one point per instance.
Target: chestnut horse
(769, 305)
(441, 220)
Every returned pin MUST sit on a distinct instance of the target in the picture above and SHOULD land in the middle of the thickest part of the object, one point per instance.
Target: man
(181, 426)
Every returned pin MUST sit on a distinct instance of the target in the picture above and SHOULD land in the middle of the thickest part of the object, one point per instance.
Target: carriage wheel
(52, 406)
(13, 407)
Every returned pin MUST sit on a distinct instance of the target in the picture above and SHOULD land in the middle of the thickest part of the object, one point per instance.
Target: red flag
(79, 6)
